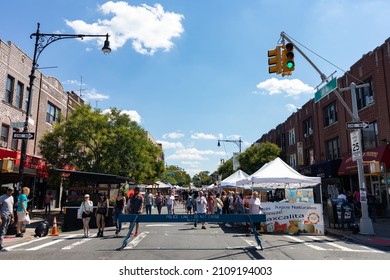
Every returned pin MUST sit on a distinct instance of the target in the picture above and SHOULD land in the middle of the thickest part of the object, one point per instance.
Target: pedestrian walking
(87, 211)
(201, 206)
(171, 203)
(101, 213)
(7, 214)
(149, 200)
(119, 208)
(159, 202)
(22, 211)
(47, 200)
(218, 204)
(136, 206)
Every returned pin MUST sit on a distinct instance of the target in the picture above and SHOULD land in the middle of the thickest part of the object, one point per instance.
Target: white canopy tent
(278, 174)
(231, 181)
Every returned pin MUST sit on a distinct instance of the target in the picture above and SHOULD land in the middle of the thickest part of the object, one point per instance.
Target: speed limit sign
(355, 145)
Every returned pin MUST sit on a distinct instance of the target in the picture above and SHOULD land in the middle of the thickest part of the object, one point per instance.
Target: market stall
(301, 209)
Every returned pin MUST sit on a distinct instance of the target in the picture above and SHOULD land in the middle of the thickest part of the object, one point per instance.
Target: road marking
(331, 242)
(136, 241)
(52, 242)
(305, 243)
(26, 243)
(71, 246)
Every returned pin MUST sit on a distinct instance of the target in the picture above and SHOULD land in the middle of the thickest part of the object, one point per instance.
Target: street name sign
(357, 125)
(324, 91)
(17, 124)
(23, 135)
(355, 145)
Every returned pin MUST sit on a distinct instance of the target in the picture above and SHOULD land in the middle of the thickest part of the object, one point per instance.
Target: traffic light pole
(323, 77)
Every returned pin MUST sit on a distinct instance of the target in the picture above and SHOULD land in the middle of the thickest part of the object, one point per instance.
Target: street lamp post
(237, 142)
(42, 40)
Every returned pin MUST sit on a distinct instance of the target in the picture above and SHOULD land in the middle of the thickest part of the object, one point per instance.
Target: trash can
(332, 211)
(345, 213)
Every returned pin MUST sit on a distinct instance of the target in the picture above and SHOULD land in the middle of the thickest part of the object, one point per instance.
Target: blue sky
(194, 71)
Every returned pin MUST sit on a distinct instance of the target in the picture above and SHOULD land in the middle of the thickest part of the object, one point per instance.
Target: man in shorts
(136, 206)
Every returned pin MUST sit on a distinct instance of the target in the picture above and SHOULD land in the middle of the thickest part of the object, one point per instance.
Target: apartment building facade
(316, 142)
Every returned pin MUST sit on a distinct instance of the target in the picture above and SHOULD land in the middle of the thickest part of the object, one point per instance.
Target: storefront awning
(381, 154)
(327, 169)
(101, 178)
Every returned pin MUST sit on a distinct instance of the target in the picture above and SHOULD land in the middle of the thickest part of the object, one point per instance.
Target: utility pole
(365, 225)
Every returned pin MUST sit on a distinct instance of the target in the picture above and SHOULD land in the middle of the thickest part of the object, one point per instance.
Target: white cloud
(148, 28)
(291, 108)
(203, 136)
(292, 88)
(193, 154)
(133, 115)
(173, 135)
(170, 145)
(93, 94)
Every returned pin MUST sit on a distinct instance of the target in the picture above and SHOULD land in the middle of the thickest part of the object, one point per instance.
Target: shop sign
(293, 218)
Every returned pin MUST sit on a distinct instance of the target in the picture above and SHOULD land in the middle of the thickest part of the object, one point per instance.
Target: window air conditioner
(370, 99)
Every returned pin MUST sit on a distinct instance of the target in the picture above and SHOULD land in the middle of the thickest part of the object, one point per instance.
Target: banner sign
(291, 218)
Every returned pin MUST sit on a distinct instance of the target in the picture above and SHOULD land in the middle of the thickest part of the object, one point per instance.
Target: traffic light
(288, 64)
(274, 61)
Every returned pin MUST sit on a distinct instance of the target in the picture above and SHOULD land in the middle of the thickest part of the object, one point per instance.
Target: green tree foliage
(257, 155)
(176, 176)
(105, 143)
(203, 178)
(226, 169)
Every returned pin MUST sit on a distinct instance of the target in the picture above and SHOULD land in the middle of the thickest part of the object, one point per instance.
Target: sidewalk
(381, 235)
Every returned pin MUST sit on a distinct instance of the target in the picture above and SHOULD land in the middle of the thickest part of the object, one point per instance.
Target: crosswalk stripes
(324, 243)
(319, 243)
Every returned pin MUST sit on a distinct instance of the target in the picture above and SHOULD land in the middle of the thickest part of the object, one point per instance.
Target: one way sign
(23, 135)
(357, 125)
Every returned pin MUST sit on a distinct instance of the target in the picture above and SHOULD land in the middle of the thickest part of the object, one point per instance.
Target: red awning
(381, 154)
(36, 164)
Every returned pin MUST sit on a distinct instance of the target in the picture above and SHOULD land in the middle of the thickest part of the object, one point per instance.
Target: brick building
(48, 101)
(315, 141)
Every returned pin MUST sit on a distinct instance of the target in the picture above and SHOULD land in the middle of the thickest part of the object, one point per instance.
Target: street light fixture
(237, 142)
(42, 40)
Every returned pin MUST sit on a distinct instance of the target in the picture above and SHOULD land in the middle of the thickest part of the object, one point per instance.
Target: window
(307, 128)
(293, 161)
(52, 114)
(291, 137)
(370, 136)
(330, 114)
(15, 142)
(19, 95)
(308, 155)
(333, 148)
(364, 96)
(9, 89)
(4, 136)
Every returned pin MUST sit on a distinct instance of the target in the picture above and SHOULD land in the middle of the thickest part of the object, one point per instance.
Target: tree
(103, 143)
(226, 169)
(203, 178)
(257, 155)
(176, 176)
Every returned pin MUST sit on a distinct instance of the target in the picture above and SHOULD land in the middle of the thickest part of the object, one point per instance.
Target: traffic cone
(54, 231)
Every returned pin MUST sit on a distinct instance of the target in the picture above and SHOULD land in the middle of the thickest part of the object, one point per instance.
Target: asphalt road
(178, 241)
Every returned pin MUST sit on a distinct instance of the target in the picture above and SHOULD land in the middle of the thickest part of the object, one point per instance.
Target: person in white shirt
(255, 204)
(201, 206)
(342, 196)
(171, 203)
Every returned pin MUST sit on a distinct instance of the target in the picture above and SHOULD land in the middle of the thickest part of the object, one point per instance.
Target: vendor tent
(231, 181)
(277, 174)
